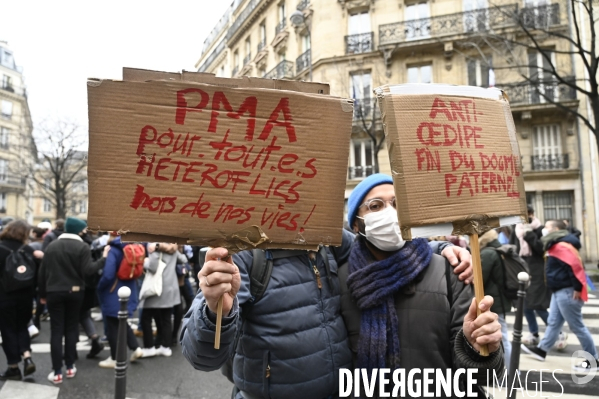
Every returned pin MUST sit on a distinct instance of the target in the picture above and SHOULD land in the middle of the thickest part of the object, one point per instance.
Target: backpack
(19, 270)
(259, 277)
(132, 265)
(512, 265)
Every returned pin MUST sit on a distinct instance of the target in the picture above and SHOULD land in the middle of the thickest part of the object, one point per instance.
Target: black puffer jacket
(430, 328)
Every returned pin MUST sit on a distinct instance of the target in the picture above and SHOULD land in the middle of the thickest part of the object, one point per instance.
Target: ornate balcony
(541, 17)
(303, 61)
(261, 45)
(215, 53)
(550, 162)
(283, 70)
(543, 92)
(359, 172)
(302, 5)
(360, 43)
(241, 18)
(446, 25)
(280, 26)
(364, 107)
(247, 59)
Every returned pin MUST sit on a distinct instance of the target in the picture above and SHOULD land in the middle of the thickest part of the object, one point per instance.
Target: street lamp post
(297, 19)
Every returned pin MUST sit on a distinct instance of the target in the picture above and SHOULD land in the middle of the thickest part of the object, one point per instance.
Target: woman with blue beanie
(403, 307)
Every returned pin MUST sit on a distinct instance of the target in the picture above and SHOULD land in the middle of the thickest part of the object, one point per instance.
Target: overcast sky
(61, 43)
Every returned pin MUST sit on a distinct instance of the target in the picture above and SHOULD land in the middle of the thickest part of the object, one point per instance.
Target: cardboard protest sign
(454, 158)
(217, 166)
(141, 75)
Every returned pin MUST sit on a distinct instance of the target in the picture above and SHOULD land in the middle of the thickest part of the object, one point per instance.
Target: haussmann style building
(357, 45)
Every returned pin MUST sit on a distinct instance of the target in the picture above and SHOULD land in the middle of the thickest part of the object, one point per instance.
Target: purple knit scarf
(373, 285)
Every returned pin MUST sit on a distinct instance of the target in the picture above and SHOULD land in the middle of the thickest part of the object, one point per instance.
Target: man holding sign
(293, 341)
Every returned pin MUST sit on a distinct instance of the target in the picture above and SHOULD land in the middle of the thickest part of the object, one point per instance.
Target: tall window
(558, 205)
(263, 31)
(361, 159)
(6, 109)
(3, 202)
(417, 24)
(420, 74)
(361, 92)
(282, 17)
(547, 148)
(4, 137)
(82, 206)
(3, 170)
(47, 205)
(359, 23)
(6, 82)
(248, 49)
(480, 73)
(305, 43)
(539, 68)
(6, 58)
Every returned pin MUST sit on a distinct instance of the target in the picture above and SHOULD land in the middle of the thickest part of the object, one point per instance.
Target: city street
(153, 378)
(173, 377)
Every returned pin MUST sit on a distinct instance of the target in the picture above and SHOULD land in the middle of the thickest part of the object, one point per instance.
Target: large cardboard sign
(454, 157)
(218, 166)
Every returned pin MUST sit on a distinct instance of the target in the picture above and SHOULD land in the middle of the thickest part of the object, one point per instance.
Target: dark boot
(97, 347)
(28, 366)
(11, 373)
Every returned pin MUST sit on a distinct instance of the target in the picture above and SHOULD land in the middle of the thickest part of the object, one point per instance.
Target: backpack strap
(260, 273)
(448, 282)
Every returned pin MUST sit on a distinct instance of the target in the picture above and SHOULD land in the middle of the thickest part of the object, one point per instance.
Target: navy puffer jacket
(295, 330)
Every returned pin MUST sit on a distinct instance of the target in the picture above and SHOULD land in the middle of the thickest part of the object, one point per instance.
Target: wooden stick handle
(479, 289)
(219, 323)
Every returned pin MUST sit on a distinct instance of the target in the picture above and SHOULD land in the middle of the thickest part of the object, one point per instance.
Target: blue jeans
(565, 308)
(533, 327)
(505, 339)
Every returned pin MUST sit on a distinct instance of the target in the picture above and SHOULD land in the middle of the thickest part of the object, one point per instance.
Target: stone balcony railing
(480, 20)
(213, 56)
(303, 61)
(261, 45)
(284, 70)
(359, 172)
(302, 5)
(543, 92)
(550, 162)
(243, 15)
(280, 26)
(360, 43)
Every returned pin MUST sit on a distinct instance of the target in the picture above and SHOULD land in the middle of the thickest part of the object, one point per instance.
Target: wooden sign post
(479, 292)
(455, 162)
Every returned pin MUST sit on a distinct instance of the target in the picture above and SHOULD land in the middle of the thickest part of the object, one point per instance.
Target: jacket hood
(487, 238)
(570, 239)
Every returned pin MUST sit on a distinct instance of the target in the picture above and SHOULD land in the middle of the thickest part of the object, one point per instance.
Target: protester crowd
(376, 301)
(59, 274)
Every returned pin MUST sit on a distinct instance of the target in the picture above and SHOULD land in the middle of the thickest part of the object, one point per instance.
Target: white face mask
(545, 231)
(382, 229)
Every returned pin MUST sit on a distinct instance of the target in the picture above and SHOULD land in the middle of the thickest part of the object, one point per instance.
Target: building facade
(357, 45)
(17, 147)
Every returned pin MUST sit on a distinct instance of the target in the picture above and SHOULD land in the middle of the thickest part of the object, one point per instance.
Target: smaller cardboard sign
(454, 158)
(179, 161)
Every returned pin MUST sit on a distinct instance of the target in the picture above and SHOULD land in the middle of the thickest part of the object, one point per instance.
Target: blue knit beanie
(357, 196)
(74, 225)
